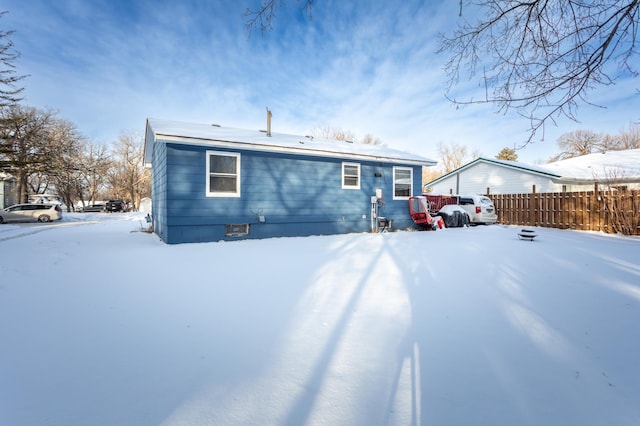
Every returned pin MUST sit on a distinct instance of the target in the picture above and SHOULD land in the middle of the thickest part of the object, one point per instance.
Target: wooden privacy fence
(606, 211)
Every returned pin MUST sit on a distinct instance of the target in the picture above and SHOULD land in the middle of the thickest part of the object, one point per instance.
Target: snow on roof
(524, 167)
(600, 166)
(214, 135)
(520, 165)
(623, 166)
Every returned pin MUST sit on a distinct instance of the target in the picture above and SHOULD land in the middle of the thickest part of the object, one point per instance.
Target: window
(402, 183)
(236, 230)
(223, 174)
(350, 176)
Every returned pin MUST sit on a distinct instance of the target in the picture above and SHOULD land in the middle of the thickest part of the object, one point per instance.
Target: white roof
(620, 166)
(522, 167)
(218, 136)
(624, 165)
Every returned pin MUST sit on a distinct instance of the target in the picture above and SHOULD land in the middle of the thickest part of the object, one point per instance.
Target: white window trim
(410, 183)
(238, 172)
(357, 165)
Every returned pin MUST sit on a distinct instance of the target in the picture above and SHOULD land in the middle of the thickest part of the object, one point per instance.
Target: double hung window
(402, 183)
(223, 174)
(350, 176)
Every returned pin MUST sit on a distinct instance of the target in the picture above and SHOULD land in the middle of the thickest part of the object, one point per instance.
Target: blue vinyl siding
(297, 195)
(159, 191)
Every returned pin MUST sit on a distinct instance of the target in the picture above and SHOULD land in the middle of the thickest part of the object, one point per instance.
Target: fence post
(597, 211)
(534, 201)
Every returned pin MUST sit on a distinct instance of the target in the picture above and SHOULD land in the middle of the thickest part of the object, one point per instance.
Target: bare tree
(542, 57)
(24, 150)
(577, 143)
(127, 177)
(94, 167)
(629, 139)
(610, 143)
(9, 92)
(429, 174)
(624, 140)
(618, 203)
(328, 132)
(370, 140)
(64, 172)
(452, 156)
(583, 142)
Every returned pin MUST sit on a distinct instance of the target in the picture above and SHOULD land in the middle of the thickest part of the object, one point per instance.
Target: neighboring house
(7, 190)
(616, 169)
(212, 183)
(619, 169)
(486, 175)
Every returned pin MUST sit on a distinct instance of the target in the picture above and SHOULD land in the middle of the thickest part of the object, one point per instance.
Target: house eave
(309, 151)
(586, 181)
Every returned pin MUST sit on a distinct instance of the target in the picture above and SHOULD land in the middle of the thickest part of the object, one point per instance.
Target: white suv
(31, 213)
(479, 207)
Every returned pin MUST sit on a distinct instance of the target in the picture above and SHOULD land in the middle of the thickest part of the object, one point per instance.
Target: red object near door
(419, 211)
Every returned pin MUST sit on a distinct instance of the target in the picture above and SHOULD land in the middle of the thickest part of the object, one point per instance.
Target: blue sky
(363, 65)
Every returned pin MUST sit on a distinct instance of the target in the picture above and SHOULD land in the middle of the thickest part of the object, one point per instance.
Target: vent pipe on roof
(268, 122)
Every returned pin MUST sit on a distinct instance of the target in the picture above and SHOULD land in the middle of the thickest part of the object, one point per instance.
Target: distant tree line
(48, 154)
(339, 134)
(583, 142)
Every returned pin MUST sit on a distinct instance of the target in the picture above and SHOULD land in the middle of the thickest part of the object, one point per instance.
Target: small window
(402, 183)
(237, 230)
(223, 174)
(350, 176)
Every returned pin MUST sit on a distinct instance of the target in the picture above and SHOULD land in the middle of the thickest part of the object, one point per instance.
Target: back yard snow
(101, 324)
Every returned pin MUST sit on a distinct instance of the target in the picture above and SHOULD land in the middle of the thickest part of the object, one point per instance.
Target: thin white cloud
(369, 67)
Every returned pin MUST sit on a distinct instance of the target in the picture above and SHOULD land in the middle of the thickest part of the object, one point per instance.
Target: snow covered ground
(101, 324)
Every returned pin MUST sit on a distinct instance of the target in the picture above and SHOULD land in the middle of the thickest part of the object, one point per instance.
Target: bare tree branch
(262, 17)
(542, 57)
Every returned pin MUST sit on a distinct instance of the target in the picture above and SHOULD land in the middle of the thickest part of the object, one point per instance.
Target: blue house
(211, 183)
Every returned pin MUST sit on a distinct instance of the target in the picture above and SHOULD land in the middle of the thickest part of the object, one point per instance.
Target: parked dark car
(93, 208)
(115, 206)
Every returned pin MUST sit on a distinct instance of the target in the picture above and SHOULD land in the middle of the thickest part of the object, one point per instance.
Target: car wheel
(1, 219)
(44, 218)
